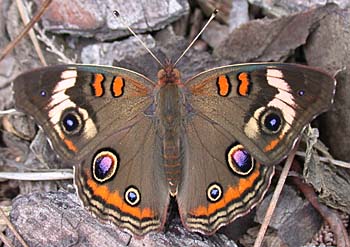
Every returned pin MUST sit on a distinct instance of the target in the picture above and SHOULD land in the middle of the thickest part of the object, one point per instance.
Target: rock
(295, 219)
(328, 47)
(232, 13)
(238, 14)
(107, 53)
(270, 39)
(215, 34)
(4, 5)
(60, 216)
(8, 69)
(271, 238)
(95, 18)
(278, 8)
(44, 153)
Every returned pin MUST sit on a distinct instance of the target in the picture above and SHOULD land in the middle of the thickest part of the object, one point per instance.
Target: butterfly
(211, 141)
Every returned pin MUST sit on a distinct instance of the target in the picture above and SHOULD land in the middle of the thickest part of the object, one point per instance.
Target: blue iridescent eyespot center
(43, 93)
(272, 122)
(132, 196)
(214, 192)
(104, 165)
(239, 160)
(242, 160)
(301, 92)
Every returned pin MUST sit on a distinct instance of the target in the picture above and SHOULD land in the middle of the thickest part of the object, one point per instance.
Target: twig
(12, 228)
(6, 241)
(276, 195)
(25, 19)
(38, 176)
(51, 47)
(7, 112)
(328, 160)
(26, 29)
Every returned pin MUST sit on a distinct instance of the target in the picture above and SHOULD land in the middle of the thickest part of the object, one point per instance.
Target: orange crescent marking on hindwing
(231, 194)
(114, 199)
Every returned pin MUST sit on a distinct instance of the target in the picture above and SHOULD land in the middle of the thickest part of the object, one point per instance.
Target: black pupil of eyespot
(214, 193)
(132, 196)
(243, 160)
(272, 122)
(70, 122)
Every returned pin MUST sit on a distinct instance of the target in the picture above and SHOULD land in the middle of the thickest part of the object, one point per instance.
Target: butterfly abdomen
(169, 110)
(172, 160)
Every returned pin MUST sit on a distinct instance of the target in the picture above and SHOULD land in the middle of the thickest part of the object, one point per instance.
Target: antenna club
(116, 13)
(215, 11)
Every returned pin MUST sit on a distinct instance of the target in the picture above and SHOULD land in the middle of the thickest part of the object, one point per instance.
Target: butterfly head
(168, 75)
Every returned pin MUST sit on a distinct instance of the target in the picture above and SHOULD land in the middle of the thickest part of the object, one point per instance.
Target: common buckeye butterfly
(211, 141)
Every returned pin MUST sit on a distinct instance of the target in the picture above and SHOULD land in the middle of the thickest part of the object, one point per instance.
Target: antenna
(199, 34)
(117, 15)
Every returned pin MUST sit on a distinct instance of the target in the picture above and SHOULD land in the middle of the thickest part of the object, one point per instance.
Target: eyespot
(43, 93)
(301, 92)
(104, 165)
(271, 121)
(239, 160)
(132, 196)
(71, 122)
(214, 192)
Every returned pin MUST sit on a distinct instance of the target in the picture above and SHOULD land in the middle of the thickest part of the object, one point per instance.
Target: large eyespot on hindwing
(271, 120)
(132, 196)
(239, 160)
(71, 121)
(105, 165)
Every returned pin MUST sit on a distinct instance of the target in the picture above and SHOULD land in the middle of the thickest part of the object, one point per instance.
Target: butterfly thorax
(170, 112)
